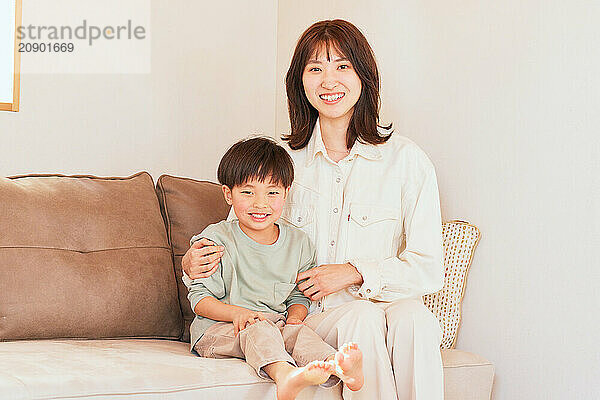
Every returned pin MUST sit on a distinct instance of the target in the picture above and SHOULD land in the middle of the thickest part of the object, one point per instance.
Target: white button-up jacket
(378, 208)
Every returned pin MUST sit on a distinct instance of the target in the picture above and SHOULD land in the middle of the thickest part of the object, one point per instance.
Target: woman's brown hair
(350, 43)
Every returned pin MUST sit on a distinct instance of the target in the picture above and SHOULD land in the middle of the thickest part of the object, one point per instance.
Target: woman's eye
(314, 69)
(344, 66)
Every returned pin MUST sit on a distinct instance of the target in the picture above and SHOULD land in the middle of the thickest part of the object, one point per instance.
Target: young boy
(250, 307)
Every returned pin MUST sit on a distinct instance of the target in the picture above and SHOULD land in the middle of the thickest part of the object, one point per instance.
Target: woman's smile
(330, 80)
(332, 98)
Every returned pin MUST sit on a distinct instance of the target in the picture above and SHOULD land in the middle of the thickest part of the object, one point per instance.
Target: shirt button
(368, 291)
(335, 210)
(319, 304)
(337, 180)
(361, 295)
(332, 242)
(299, 219)
(364, 218)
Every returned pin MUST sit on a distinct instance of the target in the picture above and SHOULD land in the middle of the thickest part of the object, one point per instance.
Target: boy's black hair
(256, 158)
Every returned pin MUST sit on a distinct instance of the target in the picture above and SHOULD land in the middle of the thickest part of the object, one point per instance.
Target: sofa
(92, 305)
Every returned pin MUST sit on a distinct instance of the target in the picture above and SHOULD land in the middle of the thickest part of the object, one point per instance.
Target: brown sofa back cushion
(188, 206)
(84, 257)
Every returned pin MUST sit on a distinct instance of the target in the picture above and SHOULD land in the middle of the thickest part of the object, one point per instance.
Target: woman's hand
(202, 259)
(328, 278)
(245, 317)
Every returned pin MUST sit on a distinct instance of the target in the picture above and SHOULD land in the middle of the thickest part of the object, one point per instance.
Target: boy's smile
(258, 205)
(262, 217)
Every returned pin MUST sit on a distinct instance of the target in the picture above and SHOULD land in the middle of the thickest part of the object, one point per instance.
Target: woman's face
(331, 86)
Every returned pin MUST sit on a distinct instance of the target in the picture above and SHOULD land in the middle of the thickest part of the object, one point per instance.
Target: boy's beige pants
(265, 342)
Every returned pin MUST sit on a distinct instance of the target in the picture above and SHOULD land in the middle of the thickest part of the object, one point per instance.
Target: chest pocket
(367, 215)
(301, 217)
(373, 231)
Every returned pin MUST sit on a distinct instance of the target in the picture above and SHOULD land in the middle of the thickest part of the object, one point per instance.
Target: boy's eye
(246, 192)
(275, 193)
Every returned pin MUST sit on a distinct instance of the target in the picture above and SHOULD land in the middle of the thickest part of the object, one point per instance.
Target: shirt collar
(316, 146)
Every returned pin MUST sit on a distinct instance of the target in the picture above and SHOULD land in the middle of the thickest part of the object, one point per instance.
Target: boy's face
(256, 204)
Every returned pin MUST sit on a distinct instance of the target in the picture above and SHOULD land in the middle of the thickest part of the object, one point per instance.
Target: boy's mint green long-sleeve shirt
(252, 275)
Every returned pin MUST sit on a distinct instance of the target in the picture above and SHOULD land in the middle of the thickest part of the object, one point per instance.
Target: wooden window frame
(14, 106)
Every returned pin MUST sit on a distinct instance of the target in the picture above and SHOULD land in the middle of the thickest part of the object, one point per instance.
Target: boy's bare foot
(348, 360)
(315, 373)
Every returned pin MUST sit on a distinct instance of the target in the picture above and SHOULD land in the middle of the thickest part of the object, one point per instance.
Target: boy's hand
(244, 318)
(296, 314)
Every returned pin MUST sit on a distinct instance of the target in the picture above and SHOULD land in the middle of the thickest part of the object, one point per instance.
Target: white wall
(212, 82)
(504, 97)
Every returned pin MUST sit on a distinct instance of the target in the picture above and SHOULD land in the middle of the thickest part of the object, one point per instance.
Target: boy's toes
(330, 366)
(318, 372)
(347, 347)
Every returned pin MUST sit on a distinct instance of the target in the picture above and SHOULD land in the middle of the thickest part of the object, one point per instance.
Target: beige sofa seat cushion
(129, 369)
(165, 369)
(84, 257)
(467, 376)
(188, 206)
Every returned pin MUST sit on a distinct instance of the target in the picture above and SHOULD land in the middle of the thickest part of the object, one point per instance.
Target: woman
(369, 201)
